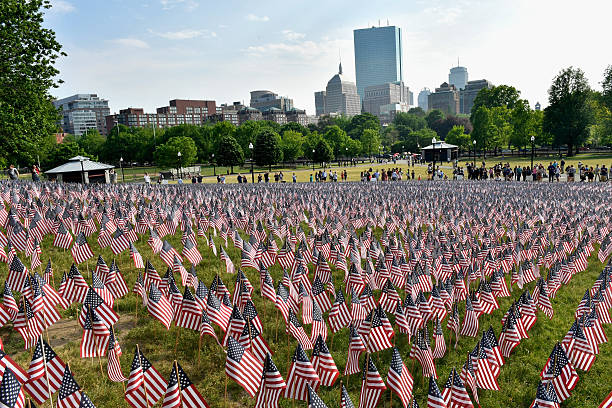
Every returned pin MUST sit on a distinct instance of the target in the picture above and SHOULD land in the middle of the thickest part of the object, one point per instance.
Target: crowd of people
(538, 172)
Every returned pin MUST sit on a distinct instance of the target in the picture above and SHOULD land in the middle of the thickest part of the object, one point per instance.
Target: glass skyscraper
(378, 56)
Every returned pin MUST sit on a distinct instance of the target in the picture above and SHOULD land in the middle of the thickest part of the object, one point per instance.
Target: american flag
(422, 352)
(459, 396)
(297, 331)
(319, 328)
(136, 257)
(159, 307)
(486, 377)
(301, 372)
(434, 396)
(8, 363)
(378, 338)
(206, 327)
(440, 343)
(217, 314)
(355, 349)
(17, 274)
(119, 242)
(272, 385)
(372, 385)
(168, 253)
(27, 324)
(11, 394)
(76, 288)
(69, 395)
(578, 349)
(243, 367)
(190, 251)
(104, 311)
(9, 303)
(470, 321)
(607, 402)
(62, 239)
(181, 392)
(190, 312)
(339, 316)
(314, 401)
(81, 250)
(323, 363)
(546, 397)
(113, 354)
(145, 386)
(345, 399)
(399, 379)
(252, 339)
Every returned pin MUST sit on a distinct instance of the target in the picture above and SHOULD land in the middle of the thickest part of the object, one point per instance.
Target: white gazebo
(81, 169)
(442, 151)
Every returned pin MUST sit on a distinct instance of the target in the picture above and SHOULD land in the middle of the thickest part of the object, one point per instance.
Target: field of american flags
(518, 378)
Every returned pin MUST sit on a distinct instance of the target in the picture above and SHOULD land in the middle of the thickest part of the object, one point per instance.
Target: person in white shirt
(147, 178)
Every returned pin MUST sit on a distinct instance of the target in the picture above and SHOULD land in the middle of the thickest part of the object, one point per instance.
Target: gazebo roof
(440, 145)
(74, 165)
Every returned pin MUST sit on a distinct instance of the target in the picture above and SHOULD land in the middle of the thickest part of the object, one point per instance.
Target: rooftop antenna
(387, 22)
(379, 22)
(457, 61)
(340, 65)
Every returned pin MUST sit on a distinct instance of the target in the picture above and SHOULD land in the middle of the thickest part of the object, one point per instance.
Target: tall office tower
(81, 112)
(378, 56)
(458, 76)
(339, 98)
(423, 99)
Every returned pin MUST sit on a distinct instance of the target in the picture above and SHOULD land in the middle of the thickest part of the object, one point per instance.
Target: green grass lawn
(518, 380)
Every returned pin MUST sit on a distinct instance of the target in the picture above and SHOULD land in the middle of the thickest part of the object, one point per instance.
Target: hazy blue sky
(141, 53)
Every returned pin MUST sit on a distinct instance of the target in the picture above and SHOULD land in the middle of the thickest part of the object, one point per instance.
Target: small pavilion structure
(440, 151)
(81, 169)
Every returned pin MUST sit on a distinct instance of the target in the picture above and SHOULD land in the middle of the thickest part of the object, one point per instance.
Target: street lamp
(252, 172)
(313, 151)
(82, 170)
(214, 165)
(474, 143)
(180, 164)
(433, 156)
(532, 150)
(346, 154)
(122, 173)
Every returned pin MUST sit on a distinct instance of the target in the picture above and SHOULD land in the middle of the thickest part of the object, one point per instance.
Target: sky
(143, 53)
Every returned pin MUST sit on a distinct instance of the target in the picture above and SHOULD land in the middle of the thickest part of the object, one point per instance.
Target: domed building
(340, 97)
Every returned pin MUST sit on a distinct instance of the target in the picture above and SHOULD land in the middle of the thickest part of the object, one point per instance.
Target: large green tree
(458, 137)
(267, 150)
(359, 123)
(370, 141)
(433, 116)
(229, 152)
(606, 84)
(501, 95)
(323, 152)
(414, 121)
(568, 115)
(28, 53)
(481, 120)
(291, 144)
(168, 153)
(92, 142)
(337, 139)
(60, 153)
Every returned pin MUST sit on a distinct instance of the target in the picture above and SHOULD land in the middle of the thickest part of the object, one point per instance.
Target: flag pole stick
(178, 332)
(44, 356)
(276, 336)
(144, 383)
(226, 390)
(178, 380)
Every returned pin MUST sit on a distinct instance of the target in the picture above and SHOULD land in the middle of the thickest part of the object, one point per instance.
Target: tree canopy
(267, 150)
(168, 153)
(229, 152)
(28, 53)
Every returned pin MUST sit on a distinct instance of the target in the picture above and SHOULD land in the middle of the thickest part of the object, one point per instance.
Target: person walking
(147, 179)
(35, 173)
(13, 172)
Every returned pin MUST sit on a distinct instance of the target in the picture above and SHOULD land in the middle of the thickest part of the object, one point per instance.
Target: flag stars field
(334, 295)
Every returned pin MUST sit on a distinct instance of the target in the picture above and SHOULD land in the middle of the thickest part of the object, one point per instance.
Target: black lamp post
(433, 170)
(252, 172)
(313, 152)
(82, 170)
(214, 165)
(122, 172)
(180, 170)
(532, 150)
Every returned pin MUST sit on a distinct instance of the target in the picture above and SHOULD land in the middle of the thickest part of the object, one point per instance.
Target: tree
(481, 120)
(92, 142)
(310, 143)
(410, 120)
(524, 124)
(433, 116)
(443, 126)
(458, 137)
(61, 153)
(294, 126)
(359, 123)
(246, 133)
(337, 139)
(291, 144)
(418, 111)
(500, 128)
(28, 53)
(501, 95)
(167, 153)
(267, 150)
(229, 152)
(606, 84)
(568, 116)
(370, 141)
(353, 146)
(323, 152)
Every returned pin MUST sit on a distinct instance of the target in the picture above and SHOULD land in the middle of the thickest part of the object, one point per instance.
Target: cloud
(170, 4)
(131, 42)
(259, 19)
(292, 35)
(61, 7)
(185, 34)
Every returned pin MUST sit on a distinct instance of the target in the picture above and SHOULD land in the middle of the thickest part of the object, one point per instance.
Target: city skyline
(144, 54)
